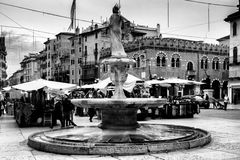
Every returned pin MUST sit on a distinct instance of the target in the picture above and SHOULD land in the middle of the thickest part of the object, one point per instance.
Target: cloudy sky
(186, 20)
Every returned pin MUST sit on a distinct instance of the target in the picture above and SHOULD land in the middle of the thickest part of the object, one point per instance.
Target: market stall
(35, 107)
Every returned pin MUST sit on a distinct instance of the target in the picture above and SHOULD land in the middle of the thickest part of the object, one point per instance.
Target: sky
(186, 20)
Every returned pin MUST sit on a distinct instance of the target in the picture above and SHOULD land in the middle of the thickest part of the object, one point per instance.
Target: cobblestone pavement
(224, 127)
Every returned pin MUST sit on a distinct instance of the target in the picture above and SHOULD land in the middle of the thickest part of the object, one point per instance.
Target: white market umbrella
(42, 83)
(197, 83)
(89, 86)
(176, 81)
(128, 85)
(158, 82)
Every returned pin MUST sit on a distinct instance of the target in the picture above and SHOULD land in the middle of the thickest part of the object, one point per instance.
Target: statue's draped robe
(116, 22)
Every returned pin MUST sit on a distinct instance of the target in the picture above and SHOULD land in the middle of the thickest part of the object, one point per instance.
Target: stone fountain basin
(103, 103)
(118, 114)
(91, 140)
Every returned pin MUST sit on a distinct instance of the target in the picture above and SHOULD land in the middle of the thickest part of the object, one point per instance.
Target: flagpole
(75, 17)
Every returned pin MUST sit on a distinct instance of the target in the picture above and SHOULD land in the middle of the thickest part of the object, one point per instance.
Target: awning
(158, 82)
(128, 85)
(41, 83)
(181, 81)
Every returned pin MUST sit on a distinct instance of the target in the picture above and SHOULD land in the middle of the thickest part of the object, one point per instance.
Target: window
(79, 40)
(204, 62)
(226, 64)
(138, 62)
(85, 50)
(72, 51)
(80, 49)
(163, 61)
(190, 66)
(215, 63)
(234, 29)
(79, 60)
(85, 38)
(72, 43)
(72, 72)
(235, 55)
(178, 62)
(72, 61)
(158, 61)
(104, 67)
(175, 62)
(143, 61)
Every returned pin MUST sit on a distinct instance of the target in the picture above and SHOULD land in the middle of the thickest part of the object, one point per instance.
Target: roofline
(66, 33)
(223, 38)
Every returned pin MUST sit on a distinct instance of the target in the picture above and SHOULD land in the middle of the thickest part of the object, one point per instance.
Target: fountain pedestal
(120, 119)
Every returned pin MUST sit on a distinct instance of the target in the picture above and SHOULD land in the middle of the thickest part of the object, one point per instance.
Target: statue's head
(116, 9)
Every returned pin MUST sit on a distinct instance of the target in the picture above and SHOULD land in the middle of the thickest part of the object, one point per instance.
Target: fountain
(119, 132)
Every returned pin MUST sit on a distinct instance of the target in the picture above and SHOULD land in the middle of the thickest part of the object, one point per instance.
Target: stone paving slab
(225, 141)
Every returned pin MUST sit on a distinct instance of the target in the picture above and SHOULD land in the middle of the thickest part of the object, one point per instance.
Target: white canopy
(180, 81)
(155, 81)
(128, 85)
(41, 83)
(88, 86)
(8, 88)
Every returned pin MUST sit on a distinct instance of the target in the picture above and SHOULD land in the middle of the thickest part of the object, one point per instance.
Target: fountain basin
(91, 140)
(119, 114)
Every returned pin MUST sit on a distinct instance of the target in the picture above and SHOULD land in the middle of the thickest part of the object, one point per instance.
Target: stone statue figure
(115, 26)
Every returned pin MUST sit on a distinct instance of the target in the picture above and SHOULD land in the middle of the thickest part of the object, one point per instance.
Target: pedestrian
(207, 97)
(226, 100)
(68, 108)
(1, 108)
(91, 113)
(57, 113)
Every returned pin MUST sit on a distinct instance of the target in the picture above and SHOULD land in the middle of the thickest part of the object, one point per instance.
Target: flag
(72, 14)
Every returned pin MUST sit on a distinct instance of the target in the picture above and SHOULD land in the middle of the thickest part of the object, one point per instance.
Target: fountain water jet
(119, 133)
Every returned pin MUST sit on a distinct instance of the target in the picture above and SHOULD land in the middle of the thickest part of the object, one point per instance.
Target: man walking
(226, 99)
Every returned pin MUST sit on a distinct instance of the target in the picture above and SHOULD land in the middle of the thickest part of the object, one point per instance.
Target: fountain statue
(119, 132)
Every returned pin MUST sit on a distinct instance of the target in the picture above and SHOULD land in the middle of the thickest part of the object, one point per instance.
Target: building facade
(3, 62)
(16, 78)
(169, 57)
(30, 67)
(58, 57)
(234, 58)
(42, 63)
